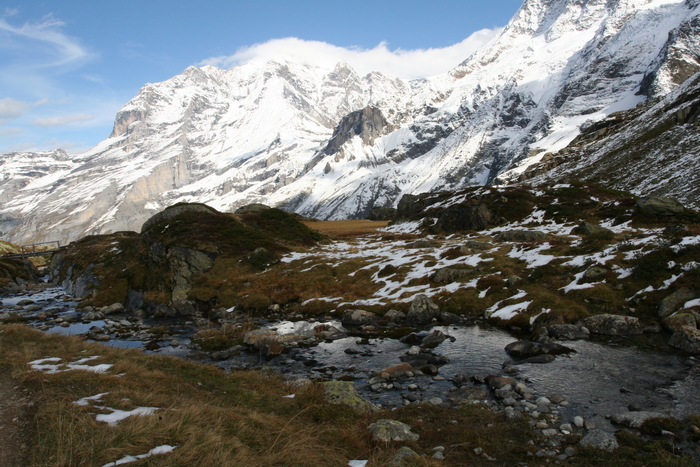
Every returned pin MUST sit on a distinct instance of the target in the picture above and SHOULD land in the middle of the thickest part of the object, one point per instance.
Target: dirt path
(15, 423)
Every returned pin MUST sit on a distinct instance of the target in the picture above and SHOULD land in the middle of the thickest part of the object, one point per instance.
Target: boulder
(600, 439)
(186, 263)
(259, 336)
(586, 228)
(449, 275)
(686, 339)
(473, 245)
(358, 317)
(635, 419)
(423, 244)
(386, 430)
(568, 331)
(112, 309)
(497, 382)
(403, 454)
(679, 320)
(521, 236)
(612, 325)
(422, 310)
(395, 316)
(458, 218)
(673, 302)
(595, 273)
(659, 207)
(433, 339)
(344, 393)
(395, 371)
(527, 349)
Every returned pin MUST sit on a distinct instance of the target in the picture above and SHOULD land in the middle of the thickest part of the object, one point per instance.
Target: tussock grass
(214, 419)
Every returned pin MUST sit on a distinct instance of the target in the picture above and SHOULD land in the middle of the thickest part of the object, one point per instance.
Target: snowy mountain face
(650, 150)
(329, 143)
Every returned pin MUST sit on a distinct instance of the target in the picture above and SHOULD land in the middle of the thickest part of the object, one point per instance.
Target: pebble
(578, 421)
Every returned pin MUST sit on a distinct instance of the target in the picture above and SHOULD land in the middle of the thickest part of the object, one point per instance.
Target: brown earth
(16, 426)
(351, 228)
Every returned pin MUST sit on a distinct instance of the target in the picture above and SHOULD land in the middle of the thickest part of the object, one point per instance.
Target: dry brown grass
(345, 229)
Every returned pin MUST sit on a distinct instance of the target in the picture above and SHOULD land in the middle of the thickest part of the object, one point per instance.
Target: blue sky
(66, 67)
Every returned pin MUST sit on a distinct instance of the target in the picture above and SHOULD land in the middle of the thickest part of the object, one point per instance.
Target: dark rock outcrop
(659, 207)
(459, 218)
(368, 124)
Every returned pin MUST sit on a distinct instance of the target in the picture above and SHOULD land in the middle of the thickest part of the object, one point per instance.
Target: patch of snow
(691, 304)
(118, 415)
(544, 311)
(85, 401)
(510, 311)
(164, 449)
(574, 285)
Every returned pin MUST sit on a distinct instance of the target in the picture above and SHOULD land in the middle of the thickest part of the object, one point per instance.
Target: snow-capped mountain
(328, 143)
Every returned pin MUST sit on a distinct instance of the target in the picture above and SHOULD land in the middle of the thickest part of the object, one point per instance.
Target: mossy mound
(170, 257)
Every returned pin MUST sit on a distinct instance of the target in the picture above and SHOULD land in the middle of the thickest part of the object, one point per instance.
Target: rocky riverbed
(593, 388)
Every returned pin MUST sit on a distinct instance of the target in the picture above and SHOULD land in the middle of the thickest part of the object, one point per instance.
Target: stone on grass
(405, 453)
(474, 245)
(449, 275)
(386, 430)
(521, 236)
(586, 228)
(344, 393)
(595, 273)
(600, 439)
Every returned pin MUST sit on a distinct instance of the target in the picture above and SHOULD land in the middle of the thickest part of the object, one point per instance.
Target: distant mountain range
(535, 105)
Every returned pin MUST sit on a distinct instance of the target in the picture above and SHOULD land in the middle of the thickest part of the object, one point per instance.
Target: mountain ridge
(259, 132)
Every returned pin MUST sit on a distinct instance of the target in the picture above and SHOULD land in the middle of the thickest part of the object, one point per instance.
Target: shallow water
(603, 376)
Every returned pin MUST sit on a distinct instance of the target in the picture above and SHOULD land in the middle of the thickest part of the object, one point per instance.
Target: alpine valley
(604, 91)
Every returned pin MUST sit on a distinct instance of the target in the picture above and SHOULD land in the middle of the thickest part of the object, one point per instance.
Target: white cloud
(62, 120)
(12, 108)
(62, 50)
(408, 64)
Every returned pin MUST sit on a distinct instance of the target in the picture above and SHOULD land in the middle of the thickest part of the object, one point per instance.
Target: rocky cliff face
(332, 144)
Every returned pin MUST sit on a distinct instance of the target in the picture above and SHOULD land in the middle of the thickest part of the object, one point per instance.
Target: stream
(602, 377)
